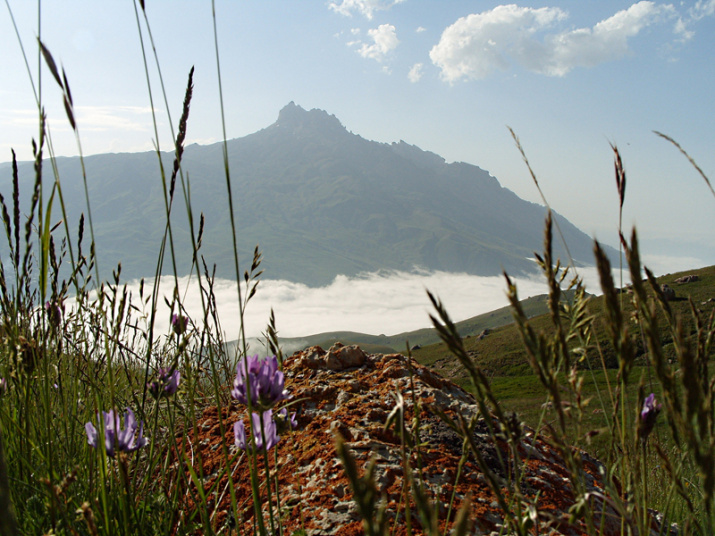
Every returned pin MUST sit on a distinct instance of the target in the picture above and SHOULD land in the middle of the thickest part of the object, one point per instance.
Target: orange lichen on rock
(348, 392)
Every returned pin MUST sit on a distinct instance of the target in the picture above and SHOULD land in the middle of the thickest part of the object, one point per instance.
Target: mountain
(320, 201)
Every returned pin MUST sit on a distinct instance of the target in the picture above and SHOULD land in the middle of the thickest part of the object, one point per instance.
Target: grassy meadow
(94, 403)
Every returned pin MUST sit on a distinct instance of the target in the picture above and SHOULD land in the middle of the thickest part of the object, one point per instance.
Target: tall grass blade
(8, 522)
(541, 193)
(51, 65)
(690, 159)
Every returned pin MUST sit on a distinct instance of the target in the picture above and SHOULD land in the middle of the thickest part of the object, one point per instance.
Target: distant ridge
(320, 200)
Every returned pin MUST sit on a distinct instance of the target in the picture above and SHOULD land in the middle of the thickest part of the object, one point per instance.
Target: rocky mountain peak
(386, 206)
(295, 117)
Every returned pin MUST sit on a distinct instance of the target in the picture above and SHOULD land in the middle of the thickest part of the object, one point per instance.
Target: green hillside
(494, 342)
(501, 353)
(471, 327)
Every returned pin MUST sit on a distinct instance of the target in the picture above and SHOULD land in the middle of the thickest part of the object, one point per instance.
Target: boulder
(687, 279)
(347, 392)
(338, 357)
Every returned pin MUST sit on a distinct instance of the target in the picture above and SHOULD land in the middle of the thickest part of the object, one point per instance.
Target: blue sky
(569, 77)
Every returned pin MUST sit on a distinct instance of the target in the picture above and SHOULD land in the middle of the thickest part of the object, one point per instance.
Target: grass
(502, 356)
(501, 352)
(525, 396)
(73, 348)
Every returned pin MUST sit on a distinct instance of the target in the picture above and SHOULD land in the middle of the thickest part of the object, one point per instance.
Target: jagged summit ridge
(417, 155)
(320, 200)
(294, 117)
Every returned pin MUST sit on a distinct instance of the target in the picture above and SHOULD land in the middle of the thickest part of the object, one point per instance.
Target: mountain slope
(471, 327)
(502, 352)
(319, 200)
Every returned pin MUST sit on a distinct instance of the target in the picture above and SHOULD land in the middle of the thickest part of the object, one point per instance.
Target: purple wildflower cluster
(116, 437)
(166, 384)
(264, 421)
(649, 413)
(261, 382)
(265, 381)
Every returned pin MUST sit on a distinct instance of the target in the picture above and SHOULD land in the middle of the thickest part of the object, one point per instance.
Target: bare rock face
(688, 279)
(345, 391)
(338, 358)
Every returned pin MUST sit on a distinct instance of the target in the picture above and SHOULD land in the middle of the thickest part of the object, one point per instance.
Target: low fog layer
(379, 303)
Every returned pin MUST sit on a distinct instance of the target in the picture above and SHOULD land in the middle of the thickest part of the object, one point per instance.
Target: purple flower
(179, 323)
(265, 380)
(649, 413)
(114, 435)
(269, 431)
(285, 422)
(239, 435)
(166, 385)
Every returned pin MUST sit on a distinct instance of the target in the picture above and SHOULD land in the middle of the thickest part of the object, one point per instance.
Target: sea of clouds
(377, 303)
(386, 302)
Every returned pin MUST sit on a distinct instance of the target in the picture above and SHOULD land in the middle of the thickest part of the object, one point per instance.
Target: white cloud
(420, 29)
(701, 9)
(606, 41)
(111, 118)
(681, 28)
(476, 45)
(415, 73)
(366, 8)
(89, 118)
(388, 302)
(384, 302)
(102, 129)
(18, 117)
(479, 44)
(384, 41)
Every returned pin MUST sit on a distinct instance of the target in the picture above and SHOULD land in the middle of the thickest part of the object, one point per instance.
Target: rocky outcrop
(688, 279)
(345, 391)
